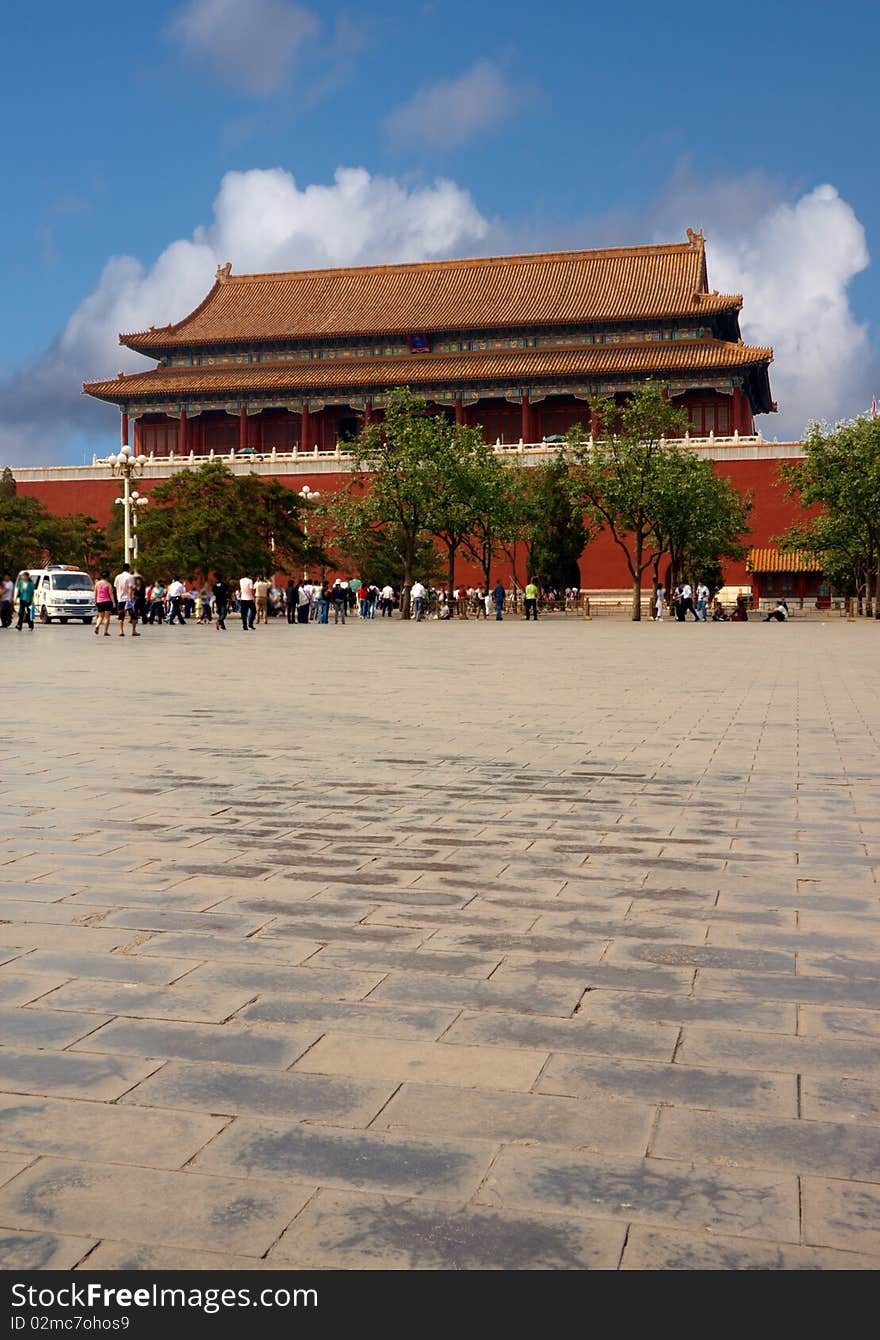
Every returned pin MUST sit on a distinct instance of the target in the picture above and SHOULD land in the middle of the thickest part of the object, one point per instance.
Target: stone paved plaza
(435, 946)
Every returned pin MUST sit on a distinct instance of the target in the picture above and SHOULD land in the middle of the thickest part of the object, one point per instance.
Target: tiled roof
(554, 288)
(517, 365)
(776, 560)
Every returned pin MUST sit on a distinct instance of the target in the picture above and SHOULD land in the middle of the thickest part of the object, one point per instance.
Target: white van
(61, 592)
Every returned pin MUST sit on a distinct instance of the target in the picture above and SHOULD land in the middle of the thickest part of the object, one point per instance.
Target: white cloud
(793, 260)
(261, 221)
(795, 267)
(449, 113)
(251, 44)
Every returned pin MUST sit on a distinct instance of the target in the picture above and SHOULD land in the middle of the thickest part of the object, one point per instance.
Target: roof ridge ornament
(696, 239)
(223, 272)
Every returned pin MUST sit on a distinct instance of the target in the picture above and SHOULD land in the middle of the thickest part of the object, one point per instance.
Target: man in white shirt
(246, 602)
(176, 592)
(687, 603)
(702, 601)
(386, 600)
(123, 585)
(417, 594)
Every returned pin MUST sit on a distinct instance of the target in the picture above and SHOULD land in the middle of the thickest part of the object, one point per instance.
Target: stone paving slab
(358, 1160)
(685, 1194)
(163, 1208)
(21, 1250)
(238, 1043)
(517, 966)
(69, 1128)
(355, 1232)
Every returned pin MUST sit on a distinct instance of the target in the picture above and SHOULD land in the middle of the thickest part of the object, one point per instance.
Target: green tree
(700, 518)
(401, 457)
(374, 551)
(619, 476)
(209, 520)
(840, 474)
(467, 491)
(273, 519)
(557, 533)
(31, 536)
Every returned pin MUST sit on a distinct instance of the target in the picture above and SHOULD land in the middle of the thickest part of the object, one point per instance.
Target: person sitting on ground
(780, 614)
(741, 613)
(718, 614)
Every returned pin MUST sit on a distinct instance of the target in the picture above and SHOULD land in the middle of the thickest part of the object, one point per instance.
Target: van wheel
(62, 621)
(44, 617)
(87, 621)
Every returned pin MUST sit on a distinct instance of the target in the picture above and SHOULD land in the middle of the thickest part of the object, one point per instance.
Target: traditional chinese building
(522, 345)
(273, 371)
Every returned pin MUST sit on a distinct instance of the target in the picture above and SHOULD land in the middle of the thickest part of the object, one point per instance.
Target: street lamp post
(128, 467)
(308, 496)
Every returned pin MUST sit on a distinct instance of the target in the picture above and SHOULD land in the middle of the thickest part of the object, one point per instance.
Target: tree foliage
(555, 528)
(209, 520)
(620, 475)
(700, 518)
(840, 474)
(428, 478)
(30, 536)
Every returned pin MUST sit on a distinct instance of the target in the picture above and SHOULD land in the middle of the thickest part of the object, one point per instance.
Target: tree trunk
(655, 582)
(637, 581)
(450, 573)
(877, 592)
(407, 586)
(869, 593)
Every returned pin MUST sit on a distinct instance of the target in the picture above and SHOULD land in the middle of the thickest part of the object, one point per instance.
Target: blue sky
(552, 125)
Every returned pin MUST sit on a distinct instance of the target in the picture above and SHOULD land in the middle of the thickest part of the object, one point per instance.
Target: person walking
(339, 600)
(687, 603)
(498, 596)
(386, 600)
(139, 597)
(246, 603)
(658, 604)
(123, 585)
(24, 589)
(261, 600)
(417, 595)
(7, 591)
(702, 601)
(220, 591)
(157, 602)
(323, 605)
(176, 593)
(531, 601)
(290, 602)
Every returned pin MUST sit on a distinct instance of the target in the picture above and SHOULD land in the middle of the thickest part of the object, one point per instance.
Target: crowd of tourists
(131, 600)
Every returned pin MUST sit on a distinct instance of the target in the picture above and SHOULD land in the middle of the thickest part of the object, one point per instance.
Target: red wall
(602, 566)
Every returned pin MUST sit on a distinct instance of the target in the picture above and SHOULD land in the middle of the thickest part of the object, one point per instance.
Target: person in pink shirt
(103, 603)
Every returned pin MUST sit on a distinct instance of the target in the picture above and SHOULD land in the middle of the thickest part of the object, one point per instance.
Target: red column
(459, 410)
(736, 412)
(242, 428)
(368, 411)
(595, 425)
(305, 429)
(124, 440)
(260, 432)
(137, 437)
(526, 425)
(181, 435)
